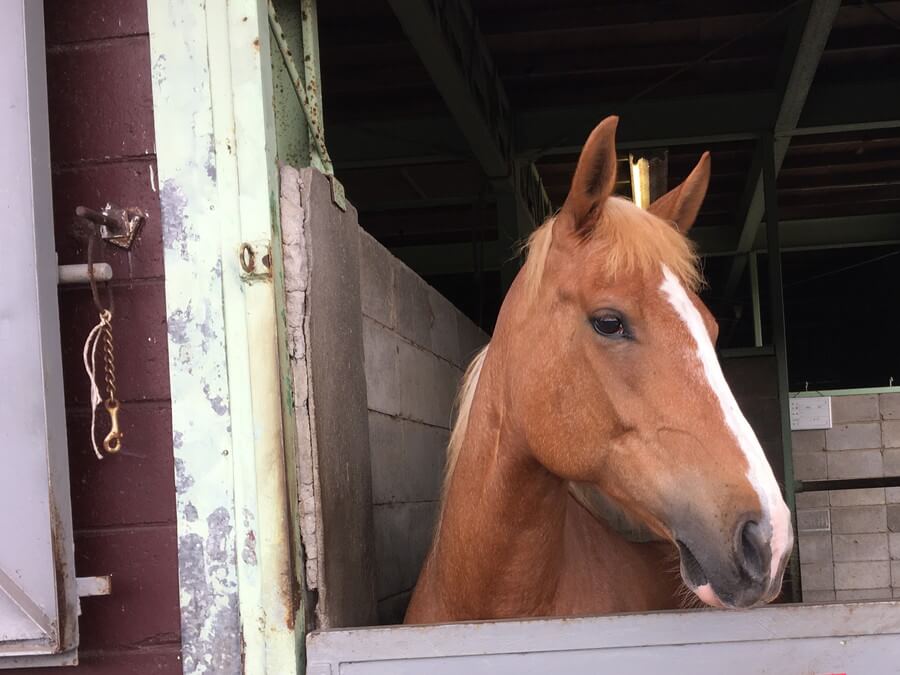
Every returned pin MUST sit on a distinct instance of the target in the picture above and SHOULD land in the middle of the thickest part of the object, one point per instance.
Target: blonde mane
(466, 393)
(630, 240)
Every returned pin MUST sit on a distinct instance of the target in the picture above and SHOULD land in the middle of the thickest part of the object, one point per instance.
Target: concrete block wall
(417, 346)
(850, 539)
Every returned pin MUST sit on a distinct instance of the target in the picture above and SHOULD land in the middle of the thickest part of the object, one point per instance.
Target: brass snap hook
(113, 441)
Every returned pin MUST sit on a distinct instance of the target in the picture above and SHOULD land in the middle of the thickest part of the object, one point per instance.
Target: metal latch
(117, 226)
(256, 259)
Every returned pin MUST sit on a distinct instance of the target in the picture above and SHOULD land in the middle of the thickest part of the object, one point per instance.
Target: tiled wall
(417, 345)
(850, 539)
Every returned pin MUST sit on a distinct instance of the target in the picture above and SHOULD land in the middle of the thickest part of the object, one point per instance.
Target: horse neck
(499, 546)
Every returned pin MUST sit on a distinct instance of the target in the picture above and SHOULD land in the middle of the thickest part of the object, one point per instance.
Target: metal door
(783, 640)
(37, 586)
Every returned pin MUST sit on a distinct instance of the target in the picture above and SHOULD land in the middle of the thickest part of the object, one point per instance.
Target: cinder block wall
(850, 539)
(417, 345)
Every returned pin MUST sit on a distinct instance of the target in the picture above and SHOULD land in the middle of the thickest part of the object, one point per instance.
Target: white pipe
(78, 274)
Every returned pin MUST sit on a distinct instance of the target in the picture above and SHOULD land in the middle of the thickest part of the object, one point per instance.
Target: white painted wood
(815, 639)
(37, 587)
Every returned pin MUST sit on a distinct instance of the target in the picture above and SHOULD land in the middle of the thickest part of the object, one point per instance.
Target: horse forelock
(626, 240)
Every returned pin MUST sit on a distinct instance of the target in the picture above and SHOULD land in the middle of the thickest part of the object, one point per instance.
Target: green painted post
(754, 292)
(776, 295)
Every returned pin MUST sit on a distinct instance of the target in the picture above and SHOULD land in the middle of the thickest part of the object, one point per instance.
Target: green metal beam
(795, 235)
(806, 43)
(837, 232)
(830, 108)
(446, 36)
(779, 340)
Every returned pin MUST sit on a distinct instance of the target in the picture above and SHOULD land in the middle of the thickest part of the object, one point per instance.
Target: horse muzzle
(736, 575)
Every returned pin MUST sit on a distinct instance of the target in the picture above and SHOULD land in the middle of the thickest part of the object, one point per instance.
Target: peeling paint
(214, 174)
(296, 269)
(178, 323)
(190, 513)
(219, 522)
(209, 626)
(176, 237)
(183, 480)
(248, 554)
(217, 403)
(210, 165)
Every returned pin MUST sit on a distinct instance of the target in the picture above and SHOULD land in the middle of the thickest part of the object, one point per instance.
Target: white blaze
(759, 473)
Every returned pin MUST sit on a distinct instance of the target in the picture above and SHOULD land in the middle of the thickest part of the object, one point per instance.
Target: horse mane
(464, 398)
(630, 240)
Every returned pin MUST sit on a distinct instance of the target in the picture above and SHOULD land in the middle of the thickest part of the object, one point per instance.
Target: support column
(754, 296)
(776, 295)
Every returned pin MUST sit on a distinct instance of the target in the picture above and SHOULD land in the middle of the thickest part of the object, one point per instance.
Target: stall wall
(102, 149)
(850, 539)
(417, 345)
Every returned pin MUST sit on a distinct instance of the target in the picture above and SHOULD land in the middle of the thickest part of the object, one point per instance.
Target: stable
(292, 315)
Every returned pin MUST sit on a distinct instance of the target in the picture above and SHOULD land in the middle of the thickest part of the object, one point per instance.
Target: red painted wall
(102, 149)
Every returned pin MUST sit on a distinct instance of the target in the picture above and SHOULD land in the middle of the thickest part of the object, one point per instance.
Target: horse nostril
(753, 551)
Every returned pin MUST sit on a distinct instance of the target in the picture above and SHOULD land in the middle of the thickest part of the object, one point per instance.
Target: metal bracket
(116, 225)
(337, 193)
(90, 586)
(256, 259)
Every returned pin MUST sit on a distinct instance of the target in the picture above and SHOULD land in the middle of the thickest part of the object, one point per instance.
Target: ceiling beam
(808, 234)
(447, 38)
(799, 62)
(830, 108)
(795, 235)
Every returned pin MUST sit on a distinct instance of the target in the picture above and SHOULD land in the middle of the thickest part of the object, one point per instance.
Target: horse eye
(608, 326)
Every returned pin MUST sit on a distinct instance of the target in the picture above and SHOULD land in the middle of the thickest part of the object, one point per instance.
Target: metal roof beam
(796, 235)
(446, 36)
(830, 108)
(806, 43)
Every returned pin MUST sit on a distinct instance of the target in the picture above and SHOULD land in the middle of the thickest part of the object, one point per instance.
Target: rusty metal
(115, 225)
(256, 259)
(307, 92)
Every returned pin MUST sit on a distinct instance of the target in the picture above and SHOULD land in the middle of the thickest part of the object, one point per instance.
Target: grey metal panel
(37, 591)
(861, 638)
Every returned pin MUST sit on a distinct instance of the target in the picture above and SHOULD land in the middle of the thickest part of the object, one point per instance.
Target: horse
(602, 371)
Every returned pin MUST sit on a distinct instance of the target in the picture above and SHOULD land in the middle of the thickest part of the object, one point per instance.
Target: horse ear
(594, 179)
(681, 204)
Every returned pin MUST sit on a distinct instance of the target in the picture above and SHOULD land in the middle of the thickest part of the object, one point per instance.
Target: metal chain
(113, 440)
(109, 355)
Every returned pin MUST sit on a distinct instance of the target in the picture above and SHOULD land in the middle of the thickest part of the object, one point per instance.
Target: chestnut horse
(602, 371)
